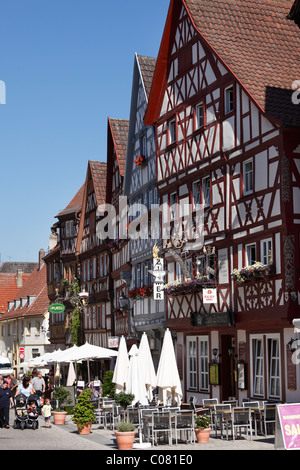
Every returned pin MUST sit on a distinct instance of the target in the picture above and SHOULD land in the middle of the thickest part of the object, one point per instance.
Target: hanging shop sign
(159, 275)
(212, 319)
(57, 308)
(209, 296)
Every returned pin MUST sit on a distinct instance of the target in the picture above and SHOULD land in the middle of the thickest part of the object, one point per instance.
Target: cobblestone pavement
(67, 438)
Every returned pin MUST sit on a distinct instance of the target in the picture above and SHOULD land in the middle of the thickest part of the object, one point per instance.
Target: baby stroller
(21, 413)
(26, 412)
(33, 403)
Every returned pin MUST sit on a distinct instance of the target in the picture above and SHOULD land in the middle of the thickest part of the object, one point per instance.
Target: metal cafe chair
(161, 424)
(230, 402)
(267, 417)
(145, 421)
(255, 416)
(184, 421)
(133, 415)
(209, 404)
(222, 416)
(241, 419)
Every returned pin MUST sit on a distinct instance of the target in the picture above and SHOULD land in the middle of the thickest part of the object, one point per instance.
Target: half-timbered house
(63, 267)
(140, 188)
(94, 258)
(120, 271)
(227, 127)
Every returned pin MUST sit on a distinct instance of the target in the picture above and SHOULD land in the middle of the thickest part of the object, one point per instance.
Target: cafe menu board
(287, 432)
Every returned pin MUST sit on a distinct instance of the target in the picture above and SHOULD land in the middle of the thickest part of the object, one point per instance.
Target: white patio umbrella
(168, 379)
(71, 375)
(135, 382)
(147, 367)
(121, 367)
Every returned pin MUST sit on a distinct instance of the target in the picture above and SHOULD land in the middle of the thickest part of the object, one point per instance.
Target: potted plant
(124, 399)
(125, 434)
(83, 412)
(108, 387)
(202, 429)
(62, 396)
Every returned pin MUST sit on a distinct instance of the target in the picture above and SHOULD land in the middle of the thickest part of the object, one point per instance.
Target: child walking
(46, 412)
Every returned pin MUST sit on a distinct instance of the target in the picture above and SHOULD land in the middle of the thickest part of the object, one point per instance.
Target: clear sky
(67, 65)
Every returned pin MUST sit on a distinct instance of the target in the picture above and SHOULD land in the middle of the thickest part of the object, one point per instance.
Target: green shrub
(83, 411)
(62, 395)
(125, 426)
(108, 387)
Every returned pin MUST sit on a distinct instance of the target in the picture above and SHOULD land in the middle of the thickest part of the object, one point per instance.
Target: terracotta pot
(59, 417)
(85, 430)
(202, 435)
(125, 439)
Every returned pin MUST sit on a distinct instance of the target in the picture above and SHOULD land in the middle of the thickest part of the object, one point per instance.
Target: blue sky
(67, 66)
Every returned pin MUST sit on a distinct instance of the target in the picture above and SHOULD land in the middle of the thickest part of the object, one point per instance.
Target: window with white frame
(179, 272)
(196, 195)
(266, 251)
(250, 252)
(197, 363)
(192, 363)
(248, 176)
(203, 369)
(266, 366)
(258, 367)
(228, 98)
(172, 131)
(199, 116)
(206, 190)
(144, 145)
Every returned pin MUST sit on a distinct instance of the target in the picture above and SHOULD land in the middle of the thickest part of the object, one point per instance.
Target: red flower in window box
(140, 160)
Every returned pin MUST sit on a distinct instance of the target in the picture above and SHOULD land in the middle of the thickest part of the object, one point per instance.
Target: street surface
(67, 438)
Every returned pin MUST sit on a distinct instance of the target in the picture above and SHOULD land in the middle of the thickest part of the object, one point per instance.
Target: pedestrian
(25, 387)
(13, 385)
(1, 381)
(38, 383)
(6, 400)
(46, 412)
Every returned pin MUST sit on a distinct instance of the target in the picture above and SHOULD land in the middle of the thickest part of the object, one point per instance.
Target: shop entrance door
(228, 367)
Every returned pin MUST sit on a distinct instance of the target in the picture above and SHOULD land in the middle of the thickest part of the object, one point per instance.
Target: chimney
(52, 241)
(41, 257)
(20, 279)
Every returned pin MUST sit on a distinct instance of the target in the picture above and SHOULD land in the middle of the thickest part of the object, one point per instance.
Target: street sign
(57, 308)
(21, 353)
(209, 296)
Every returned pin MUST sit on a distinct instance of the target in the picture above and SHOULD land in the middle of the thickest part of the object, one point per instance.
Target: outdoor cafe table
(224, 416)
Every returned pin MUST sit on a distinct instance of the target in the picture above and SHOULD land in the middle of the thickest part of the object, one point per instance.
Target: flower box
(140, 160)
(191, 286)
(140, 292)
(255, 271)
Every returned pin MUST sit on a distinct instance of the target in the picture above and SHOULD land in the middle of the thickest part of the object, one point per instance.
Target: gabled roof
(99, 174)
(14, 267)
(253, 39)
(74, 205)
(147, 67)
(119, 131)
(35, 286)
(9, 288)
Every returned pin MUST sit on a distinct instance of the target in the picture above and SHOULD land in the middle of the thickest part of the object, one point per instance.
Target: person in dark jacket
(6, 400)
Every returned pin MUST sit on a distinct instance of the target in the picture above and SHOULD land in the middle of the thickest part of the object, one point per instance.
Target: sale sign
(289, 418)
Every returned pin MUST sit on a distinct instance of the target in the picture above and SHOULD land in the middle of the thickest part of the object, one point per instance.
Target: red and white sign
(113, 342)
(21, 353)
(209, 296)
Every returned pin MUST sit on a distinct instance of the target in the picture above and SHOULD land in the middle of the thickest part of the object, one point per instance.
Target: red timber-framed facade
(227, 138)
(117, 139)
(94, 259)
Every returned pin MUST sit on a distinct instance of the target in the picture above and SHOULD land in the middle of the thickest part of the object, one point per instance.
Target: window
(266, 251)
(192, 364)
(228, 99)
(94, 268)
(69, 228)
(274, 369)
(199, 116)
(144, 145)
(248, 177)
(173, 206)
(196, 195)
(258, 362)
(197, 363)
(179, 273)
(28, 329)
(206, 191)
(266, 366)
(172, 131)
(250, 254)
(203, 372)
(37, 328)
